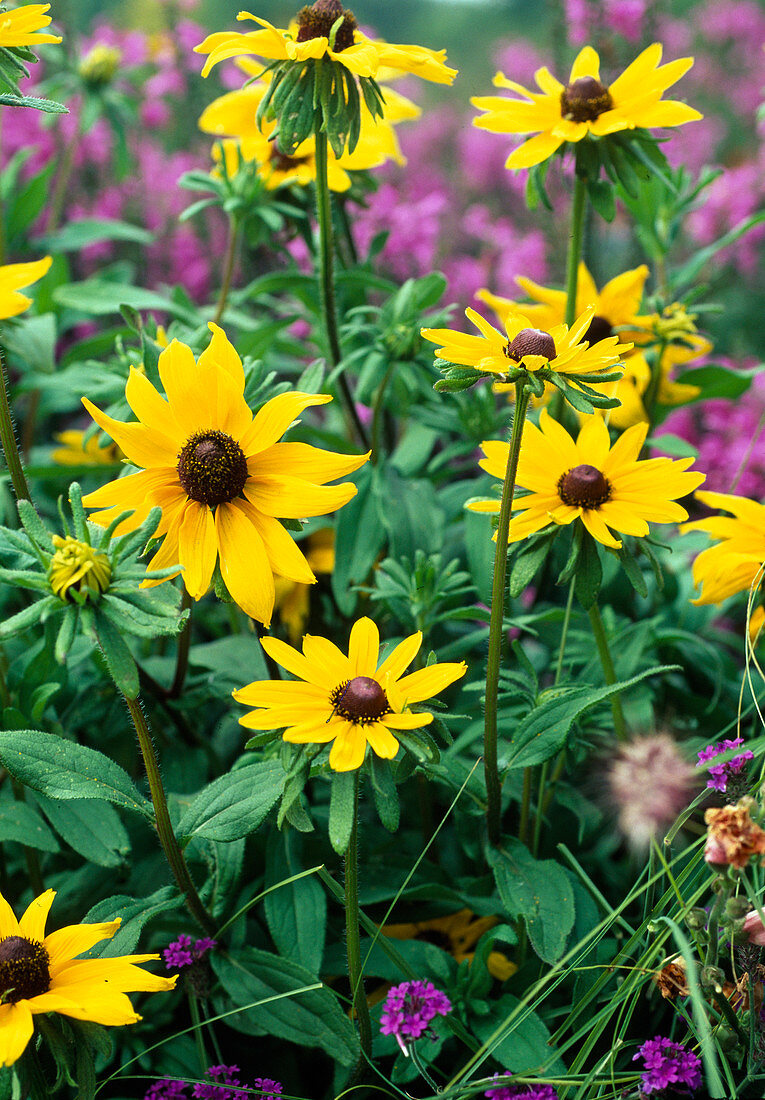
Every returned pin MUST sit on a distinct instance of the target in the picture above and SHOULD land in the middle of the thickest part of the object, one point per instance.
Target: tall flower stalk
(352, 938)
(494, 660)
(8, 438)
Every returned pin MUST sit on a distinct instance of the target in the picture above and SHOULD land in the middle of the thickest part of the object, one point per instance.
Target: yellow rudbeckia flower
(308, 38)
(615, 307)
(40, 973)
(456, 933)
(569, 112)
(15, 276)
(731, 565)
(75, 452)
(221, 477)
(349, 701)
(590, 480)
(20, 26)
(565, 350)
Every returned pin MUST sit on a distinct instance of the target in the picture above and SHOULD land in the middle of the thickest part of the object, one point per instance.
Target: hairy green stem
(8, 437)
(198, 1037)
(651, 395)
(574, 255)
(601, 641)
(352, 939)
(229, 262)
(494, 660)
(327, 283)
(165, 832)
(184, 644)
(377, 415)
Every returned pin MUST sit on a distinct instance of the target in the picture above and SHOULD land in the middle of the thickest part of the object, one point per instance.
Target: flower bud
(77, 568)
(736, 908)
(696, 918)
(99, 66)
(712, 977)
(755, 932)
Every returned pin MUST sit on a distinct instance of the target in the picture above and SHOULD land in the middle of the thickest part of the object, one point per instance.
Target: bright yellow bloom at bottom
(604, 486)
(346, 700)
(40, 973)
(734, 563)
(15, 276)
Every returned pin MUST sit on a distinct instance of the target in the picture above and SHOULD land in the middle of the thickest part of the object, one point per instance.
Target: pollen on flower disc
(360, 700)
(212, 468)
(317, 22)
(24, 969)
(531, 341)
(585, 99)
(584, 487)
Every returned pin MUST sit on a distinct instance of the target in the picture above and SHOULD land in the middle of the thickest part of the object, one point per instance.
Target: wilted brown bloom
(672, 980)
(738, 994)
(733, 837)
(649, 782)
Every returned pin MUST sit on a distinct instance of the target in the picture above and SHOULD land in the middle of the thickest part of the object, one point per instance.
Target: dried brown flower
(672, 980)
(733, 838)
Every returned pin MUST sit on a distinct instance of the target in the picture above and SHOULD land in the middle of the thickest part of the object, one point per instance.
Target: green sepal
(131, 619)
(385, 793)
(23, 620)
(219, 586)
(78, 513)
(420, 744)
(342, 810)
(47, 106)
(567, 571)
(455, 379)
(34, 526)
(66, 633)
(589, 572)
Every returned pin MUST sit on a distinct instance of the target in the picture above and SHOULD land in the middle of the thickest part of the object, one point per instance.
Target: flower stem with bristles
(165, 832)
(184, 644)
(229, 262)
(493, 785)
(8, 438)
(601, 641)
(352, 940)
(573, 256)
(327, 282)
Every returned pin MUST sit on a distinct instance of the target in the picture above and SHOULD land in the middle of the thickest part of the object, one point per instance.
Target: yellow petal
(32, 924)
(534, 151)
(284, 554)
(364, 648)
(197, 548)
(349, 748)
(180, 378)
(151, 408)
(16, 1029)
(399, 660)
(324, 655)
(143, 446)
(305, 462)
(407, 720)
(430, 681)
(244, 563)
(292, 498)
(66, 944)
(381, 740)
(9, 926)
(587, 63)
(272, 421)
(220, 351)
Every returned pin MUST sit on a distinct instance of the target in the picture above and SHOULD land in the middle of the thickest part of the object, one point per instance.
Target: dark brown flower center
(212, 468)
(360, 700)
(280, 162)
(24, 970)
(585, 99)
(584, 487)
(531, 341)
(318, 20)
(600, 329)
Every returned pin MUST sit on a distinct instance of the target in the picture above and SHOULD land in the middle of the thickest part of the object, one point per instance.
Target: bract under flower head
(590, 480)
(40, 973)
(220, 475)
(20, 28)
(346, 700)
(568, 113)
(733, 564)
(13, 277)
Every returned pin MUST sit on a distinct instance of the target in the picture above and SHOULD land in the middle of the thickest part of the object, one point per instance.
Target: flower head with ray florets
(588, 479)
(221, 477)
(584, 107)
(349, 701)
(14, 277)
(40, 973)
(735, 561)
(20, 27)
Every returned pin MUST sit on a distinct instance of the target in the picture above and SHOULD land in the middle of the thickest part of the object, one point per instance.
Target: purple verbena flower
(719, 774)
(268, 1089)
(166, 1090)
(409, 1009)
(520, 1092)
(223, 1076)
(182, 953)
(668, 1065)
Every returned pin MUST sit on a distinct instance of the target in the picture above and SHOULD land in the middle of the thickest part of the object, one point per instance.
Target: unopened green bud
(696, 918)
(77, 567)
(737, 908)
(712, 977)
(99, 66)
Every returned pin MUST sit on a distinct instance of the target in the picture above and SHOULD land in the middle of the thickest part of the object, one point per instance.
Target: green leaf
(120, 660)
(385, 793)
(359, 538)
(92, 829)
(717, 381)
(134, 913)
(311, 1019)
(525, 1048)
(543, 732)
(234, 805)
(63, 769)
(99, 297)
(342, 810)
(589, 572)
(47, 106)
(296, 912)
(539, 891)
(23, 824)
(527, 560)
(76, 235)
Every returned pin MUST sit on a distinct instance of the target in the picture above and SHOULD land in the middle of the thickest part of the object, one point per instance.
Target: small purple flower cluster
(520, 1092)
(182, 953)
(719, 774)
(409, 1009)
(224, 1085)
(668, 1065)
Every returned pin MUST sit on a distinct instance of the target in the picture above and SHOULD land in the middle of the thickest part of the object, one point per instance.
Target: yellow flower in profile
(590, 480)
(292, 597)
(733, 564)
(19, 28)
(221, 477)
(40, 973)
(74, 451)
(584, 106)
(347, 700)
(309, 38)
(616, 308)
(233, 117)
(564, 350)
(15, 276)
(456, 933)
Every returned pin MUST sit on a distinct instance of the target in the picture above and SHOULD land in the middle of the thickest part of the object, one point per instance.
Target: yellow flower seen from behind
(20, 28)
(74, 451)
(14, 277)
(588, 479)
(220, 475)
(347, 700)
(734, 563)
(559, 113)
(457, 933)
(40, 974)
(292, 597)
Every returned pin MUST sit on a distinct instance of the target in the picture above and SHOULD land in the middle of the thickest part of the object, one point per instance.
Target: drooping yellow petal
(197, 548)
(66, 944)
(399, 660)
(381, 740)
(244, 563)
(32, 923)
(16, 1027)
(349, 748)
(283, 552)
